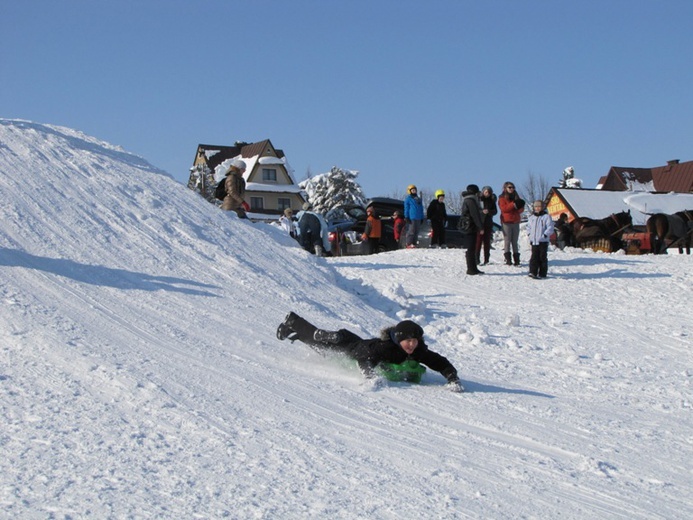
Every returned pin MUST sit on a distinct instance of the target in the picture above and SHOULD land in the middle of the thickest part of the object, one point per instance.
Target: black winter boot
(508, 260)
(284, 330)
(470, 257)
(516, 257)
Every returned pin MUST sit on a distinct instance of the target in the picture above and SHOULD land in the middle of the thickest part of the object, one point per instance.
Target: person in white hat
(235, 189)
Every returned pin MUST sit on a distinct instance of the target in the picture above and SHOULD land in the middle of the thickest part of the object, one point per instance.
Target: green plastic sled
(410, 371)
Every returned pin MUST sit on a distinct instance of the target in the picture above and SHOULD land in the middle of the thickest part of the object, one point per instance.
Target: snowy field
(140, 375)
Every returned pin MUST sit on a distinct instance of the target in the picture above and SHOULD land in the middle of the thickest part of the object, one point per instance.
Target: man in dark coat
(470, 224)
(395, 345)
(437, 214)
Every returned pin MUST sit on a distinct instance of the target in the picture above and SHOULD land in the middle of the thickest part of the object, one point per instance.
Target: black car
(347, 223)
(453, 236)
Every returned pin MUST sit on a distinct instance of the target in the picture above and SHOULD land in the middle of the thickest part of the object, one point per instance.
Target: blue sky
(437, 93)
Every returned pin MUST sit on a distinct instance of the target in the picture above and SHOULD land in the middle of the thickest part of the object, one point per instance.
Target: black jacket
(436, 211)
(470, 220)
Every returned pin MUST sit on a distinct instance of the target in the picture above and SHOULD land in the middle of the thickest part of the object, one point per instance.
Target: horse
(609, 228)
(670, 230)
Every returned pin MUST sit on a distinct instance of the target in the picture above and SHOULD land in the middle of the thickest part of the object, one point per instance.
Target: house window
(257, 203)
(269, 175)
(283, 204)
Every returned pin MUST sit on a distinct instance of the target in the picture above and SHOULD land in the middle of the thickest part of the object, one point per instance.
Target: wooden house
(675, 177)
(270, 184)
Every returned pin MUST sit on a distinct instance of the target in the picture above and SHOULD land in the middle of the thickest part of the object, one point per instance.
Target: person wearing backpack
(470, 224)
(234, 185)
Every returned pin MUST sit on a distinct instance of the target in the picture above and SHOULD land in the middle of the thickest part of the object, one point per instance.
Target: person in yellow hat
(437, 214)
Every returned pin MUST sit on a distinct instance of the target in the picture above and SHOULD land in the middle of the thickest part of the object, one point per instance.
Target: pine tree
(335, 188)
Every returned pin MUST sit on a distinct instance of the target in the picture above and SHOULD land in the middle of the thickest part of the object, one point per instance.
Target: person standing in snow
(312, 231)
(413, 215)
(487, 202)
(235, 189)
(438, 215)
(373, 231)
(287, 223)
(470, 225)
(539, 229)
(511, 208)
(398, 227)
(395, 345)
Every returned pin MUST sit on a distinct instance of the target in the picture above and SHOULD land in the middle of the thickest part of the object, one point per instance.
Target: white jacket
(539, 228)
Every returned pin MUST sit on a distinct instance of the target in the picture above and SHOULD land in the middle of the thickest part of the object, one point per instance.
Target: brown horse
(610, 228)
(670, 230)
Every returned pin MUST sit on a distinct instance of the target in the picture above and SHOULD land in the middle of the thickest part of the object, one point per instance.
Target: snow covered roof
(598, 204)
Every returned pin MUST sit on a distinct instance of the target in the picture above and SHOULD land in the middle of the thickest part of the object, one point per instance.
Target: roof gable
(675, 176)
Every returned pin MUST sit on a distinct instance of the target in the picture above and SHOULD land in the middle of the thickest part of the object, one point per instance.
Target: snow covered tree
(329, 190)
(202, 181)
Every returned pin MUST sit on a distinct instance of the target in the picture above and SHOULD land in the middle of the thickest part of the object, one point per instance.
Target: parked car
(347, 223)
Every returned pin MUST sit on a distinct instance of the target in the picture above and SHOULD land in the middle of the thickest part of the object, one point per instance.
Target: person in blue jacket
(539, 229)
(413, 215)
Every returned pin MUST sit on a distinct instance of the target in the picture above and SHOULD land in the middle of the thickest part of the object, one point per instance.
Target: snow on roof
(598, 204)
(274, 188)
(250, 162)
(668, 203)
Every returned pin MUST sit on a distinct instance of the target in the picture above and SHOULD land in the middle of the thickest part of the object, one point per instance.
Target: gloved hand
(454, 384)
(364, 237)
(407, 220)
(245, 205)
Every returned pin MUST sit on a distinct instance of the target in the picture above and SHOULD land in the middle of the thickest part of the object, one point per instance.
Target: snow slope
(140, 376)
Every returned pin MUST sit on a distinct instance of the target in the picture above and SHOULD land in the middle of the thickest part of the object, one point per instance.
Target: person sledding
(396, 355)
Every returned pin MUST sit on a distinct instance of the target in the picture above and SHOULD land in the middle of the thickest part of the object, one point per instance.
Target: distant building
(675, 177)
(270, 185)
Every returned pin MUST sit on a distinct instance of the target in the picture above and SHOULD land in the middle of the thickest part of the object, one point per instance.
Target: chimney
(672, 162)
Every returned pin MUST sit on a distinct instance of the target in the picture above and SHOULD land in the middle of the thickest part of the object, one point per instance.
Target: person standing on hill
(487, 202)
(438, 215)
(413, 215)
(235, 189)
(373, 231)
(511, 207)
(471, 224)
(286, 221)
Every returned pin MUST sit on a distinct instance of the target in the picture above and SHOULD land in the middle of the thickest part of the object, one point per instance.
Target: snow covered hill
(140, 376)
